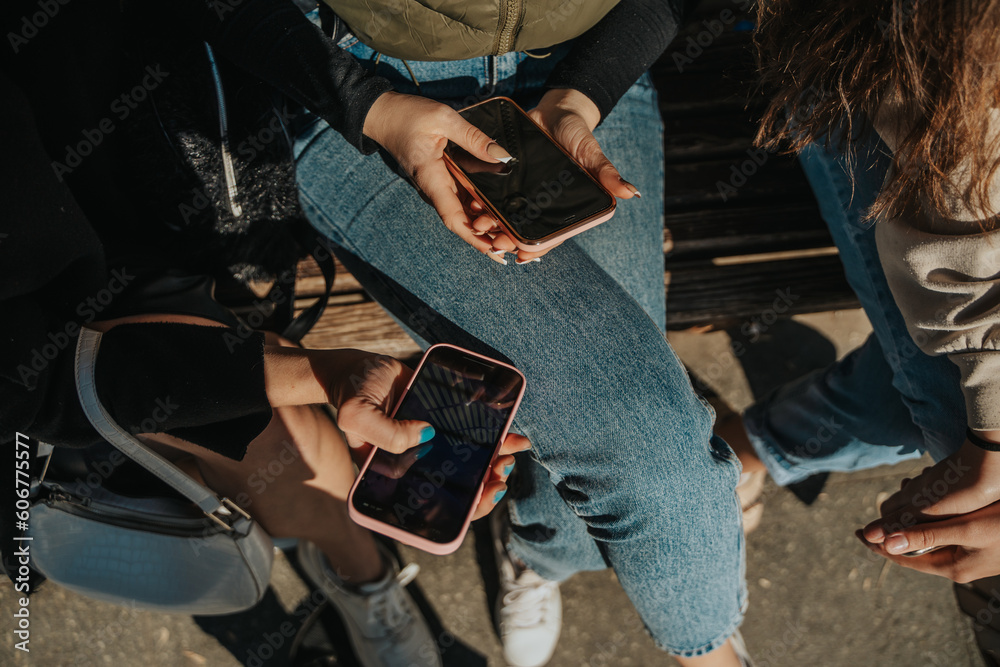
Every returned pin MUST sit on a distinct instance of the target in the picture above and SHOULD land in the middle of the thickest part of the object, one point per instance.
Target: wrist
(570, 100)
(376, 119)
(296, 376)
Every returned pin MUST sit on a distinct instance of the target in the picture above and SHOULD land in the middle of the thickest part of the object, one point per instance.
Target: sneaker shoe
(383, 622)
(528, 608)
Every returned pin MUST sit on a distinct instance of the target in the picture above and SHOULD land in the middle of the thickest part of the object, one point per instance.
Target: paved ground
(817, 598)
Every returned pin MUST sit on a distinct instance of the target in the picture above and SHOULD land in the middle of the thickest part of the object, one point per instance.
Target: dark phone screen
(541, 191)
(429, 489)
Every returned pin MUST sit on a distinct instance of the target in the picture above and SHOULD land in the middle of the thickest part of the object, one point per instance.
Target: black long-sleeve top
(273, 40)
(62, 235)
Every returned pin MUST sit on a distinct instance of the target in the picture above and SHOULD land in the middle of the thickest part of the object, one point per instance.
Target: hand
(570, 117)
(416, 130)
(496, 481)
(364, 387)
(966, 481)
(970, 545)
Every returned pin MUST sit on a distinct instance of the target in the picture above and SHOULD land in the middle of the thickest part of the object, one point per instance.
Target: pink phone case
(400, 535)
(520, 242)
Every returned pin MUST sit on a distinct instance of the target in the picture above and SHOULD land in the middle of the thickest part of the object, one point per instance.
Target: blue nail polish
(424, 451)
(508, 468)
(499, 496)
(427, 433)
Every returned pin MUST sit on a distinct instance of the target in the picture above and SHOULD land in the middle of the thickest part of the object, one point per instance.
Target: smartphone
(426, 496)
(541, 197)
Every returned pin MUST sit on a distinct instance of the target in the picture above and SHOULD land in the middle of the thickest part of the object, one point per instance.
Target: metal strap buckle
(231, 513)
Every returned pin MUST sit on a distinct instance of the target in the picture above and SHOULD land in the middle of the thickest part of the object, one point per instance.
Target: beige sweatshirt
(944, 273)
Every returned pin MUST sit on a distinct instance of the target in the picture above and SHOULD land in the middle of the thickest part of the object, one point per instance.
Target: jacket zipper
(227, 159)
(510, 14)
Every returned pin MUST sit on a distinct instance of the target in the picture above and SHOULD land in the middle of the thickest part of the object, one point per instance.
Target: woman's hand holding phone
(953, 509)
(570, 117)
(496, 482)
(365, 387)
(416, 130)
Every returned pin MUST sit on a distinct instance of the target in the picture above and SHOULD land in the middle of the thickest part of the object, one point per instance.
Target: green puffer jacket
(457, 29)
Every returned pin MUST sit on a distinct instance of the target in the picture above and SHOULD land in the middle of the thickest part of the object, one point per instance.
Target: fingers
(495, 487)
(942, 563)
(525, 257)
(572, 132)
(593, 159)
(514, 443)
(961, 483)
(475, 141)
(928, 536)
(439, 187)
(484, 224)
(363, 421)
(965, 547)
(493, 493)
(876, 531)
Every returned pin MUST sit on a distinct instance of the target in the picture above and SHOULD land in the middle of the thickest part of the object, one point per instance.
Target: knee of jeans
(637, 492)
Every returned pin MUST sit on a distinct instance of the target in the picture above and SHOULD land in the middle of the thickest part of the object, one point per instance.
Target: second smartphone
(426, 496)
(541, 197)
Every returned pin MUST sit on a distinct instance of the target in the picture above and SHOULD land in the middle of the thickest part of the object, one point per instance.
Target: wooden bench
(741, 226)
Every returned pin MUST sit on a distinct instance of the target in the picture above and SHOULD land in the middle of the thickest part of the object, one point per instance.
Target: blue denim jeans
(626, 472)
(886, 401)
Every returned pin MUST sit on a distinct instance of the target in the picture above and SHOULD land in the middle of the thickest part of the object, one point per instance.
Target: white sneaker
(384, 624)
(528, 608)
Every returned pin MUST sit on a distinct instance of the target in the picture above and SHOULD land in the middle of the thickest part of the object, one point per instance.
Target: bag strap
(222, 511)
(320, 250)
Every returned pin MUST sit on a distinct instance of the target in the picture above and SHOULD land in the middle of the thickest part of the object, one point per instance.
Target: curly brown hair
(934, 64)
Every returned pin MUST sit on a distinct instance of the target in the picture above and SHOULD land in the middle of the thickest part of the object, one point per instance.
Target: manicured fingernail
(497, 152)
(507, 468)
(631, 188)
(528, 261)
(499, 496)
(497, 252)
(497, 259)
(476, 232)
(427, 433)
(424, 451)
(896, 544)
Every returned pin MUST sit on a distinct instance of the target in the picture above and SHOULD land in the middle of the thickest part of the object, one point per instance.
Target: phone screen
(542, 191)
(428, 490)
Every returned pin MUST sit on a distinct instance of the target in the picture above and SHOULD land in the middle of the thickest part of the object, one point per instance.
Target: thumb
(926, 536)
(589, 154)
(475, 141)
(364, 422)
